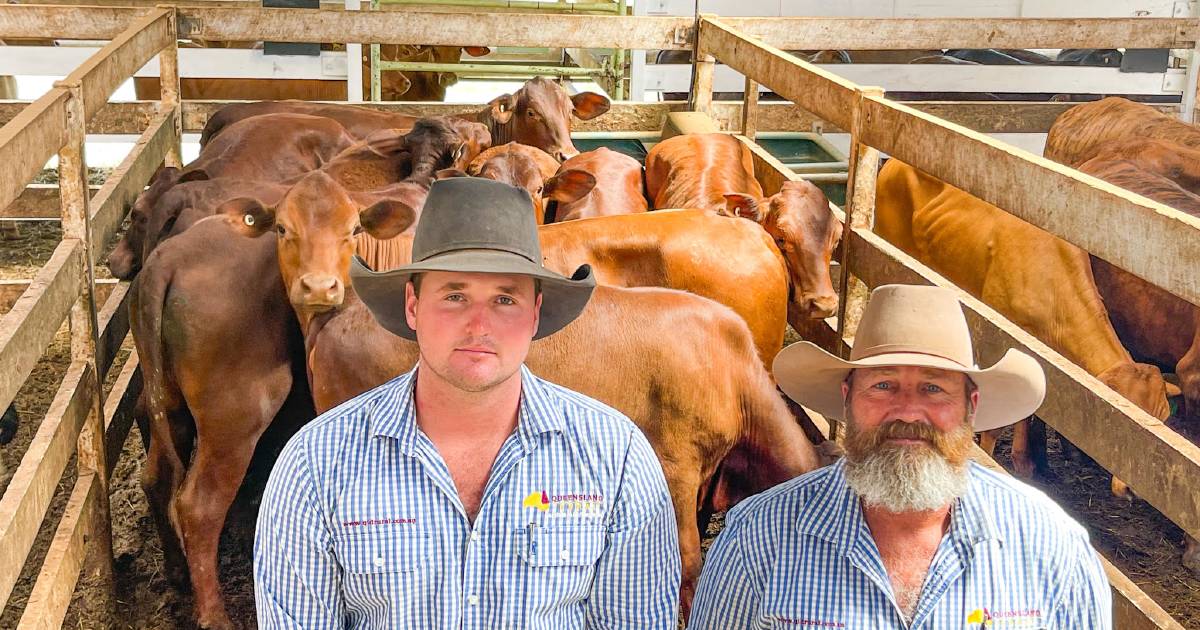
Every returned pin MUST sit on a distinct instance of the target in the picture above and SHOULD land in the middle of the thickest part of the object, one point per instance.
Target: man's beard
(907, 477)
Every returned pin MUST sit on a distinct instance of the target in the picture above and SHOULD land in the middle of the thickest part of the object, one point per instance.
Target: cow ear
(502, 108)
(477, 51)
(387, 218)
(248, 215)
(744, 206)
(165, 177)
(447, 173)
(197, 175)
(569, 185)
(386, 142)
(589, 105)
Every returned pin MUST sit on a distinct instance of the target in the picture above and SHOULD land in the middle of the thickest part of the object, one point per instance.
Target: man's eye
(883, 385)
(933, 389)
(455, 297)
(505, 300)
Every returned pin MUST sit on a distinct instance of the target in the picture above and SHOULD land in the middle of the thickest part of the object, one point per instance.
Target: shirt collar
(394, 413)
(834, 513)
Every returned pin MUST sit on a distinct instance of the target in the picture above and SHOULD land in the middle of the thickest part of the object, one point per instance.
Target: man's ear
(744, 206)
(410, 304)
(386, 218)
(502, 108)
(248, 216)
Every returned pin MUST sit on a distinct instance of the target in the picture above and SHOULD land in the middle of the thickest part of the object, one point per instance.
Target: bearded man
(905, 531)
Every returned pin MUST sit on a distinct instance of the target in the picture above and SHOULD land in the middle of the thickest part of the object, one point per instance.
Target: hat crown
(476, 213)
(918, 319)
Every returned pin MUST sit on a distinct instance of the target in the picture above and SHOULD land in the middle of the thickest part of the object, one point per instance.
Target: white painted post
(354, 84)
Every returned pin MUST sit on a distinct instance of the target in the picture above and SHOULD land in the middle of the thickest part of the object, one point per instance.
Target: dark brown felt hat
(474, 225)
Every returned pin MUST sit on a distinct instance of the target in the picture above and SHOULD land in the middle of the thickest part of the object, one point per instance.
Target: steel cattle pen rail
(1156, 463)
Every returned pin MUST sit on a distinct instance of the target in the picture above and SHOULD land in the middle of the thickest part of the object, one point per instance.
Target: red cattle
(534, 170)
(714, 171)
(198, 331)
(157, 216)
(538, 114)
(718, 443)
(271, 148)
(620, 187)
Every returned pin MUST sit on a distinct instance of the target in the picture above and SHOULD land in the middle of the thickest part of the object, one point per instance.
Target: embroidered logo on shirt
(537, 500)
(1007, 619)
(570, 504)
(808, 623)
(381, 521)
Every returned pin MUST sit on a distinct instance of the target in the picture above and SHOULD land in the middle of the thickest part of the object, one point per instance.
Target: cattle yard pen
(1158, 465)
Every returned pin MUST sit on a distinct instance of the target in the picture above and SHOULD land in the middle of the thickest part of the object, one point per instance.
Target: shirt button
(565, 555)
(379, 561)
(475, 536)
(473, 600)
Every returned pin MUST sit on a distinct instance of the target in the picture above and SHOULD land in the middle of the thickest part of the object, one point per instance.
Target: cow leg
(228, 428)
(1188, 371)
(685, 490)
(987, 441)
(170, 437)
(1021, 461)
(1191, 555)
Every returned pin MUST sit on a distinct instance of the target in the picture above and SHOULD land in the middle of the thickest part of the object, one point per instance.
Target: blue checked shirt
(361, 527)
(801, 556)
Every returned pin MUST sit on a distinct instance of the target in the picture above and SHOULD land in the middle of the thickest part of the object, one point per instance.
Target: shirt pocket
(559, 564)
(392, 571)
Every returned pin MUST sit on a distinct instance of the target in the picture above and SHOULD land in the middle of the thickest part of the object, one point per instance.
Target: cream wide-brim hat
(908, 325)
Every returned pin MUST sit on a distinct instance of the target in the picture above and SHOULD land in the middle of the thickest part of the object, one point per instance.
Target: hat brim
(563, 298)
(1010, 390)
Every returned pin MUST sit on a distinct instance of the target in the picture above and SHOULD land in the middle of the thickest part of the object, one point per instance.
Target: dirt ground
(1135, 537)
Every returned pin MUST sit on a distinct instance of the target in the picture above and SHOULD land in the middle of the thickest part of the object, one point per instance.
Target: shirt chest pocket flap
(562, 546)
(381, 552)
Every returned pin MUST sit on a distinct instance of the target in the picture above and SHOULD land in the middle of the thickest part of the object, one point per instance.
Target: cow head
(539, 114)
(438, 143)
(534, 170)
(317, 223)
(1143, 385)
(127, 257)
(804, 229)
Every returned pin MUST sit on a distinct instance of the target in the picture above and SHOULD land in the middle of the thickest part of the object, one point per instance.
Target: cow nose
(321, 290)
(819, 305)
(120, 262)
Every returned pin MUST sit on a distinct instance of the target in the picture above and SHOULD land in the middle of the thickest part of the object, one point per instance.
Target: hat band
(470, 247)
(876, 351)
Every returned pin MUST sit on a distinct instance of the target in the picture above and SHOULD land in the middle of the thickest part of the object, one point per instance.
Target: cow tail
(146, 311)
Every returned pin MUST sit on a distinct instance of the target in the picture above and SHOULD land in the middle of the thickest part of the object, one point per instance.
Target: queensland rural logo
(569, 504)
(1028, 618)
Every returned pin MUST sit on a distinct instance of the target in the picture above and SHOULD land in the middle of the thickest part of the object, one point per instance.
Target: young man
(905, 531)
(469, 493)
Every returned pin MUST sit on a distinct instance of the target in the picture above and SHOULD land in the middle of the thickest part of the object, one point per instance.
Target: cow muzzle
(120, 262)
(818, 305)
(318, 292)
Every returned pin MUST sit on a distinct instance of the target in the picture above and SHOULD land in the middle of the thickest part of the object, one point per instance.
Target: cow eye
(282, 231)
(358, 229)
